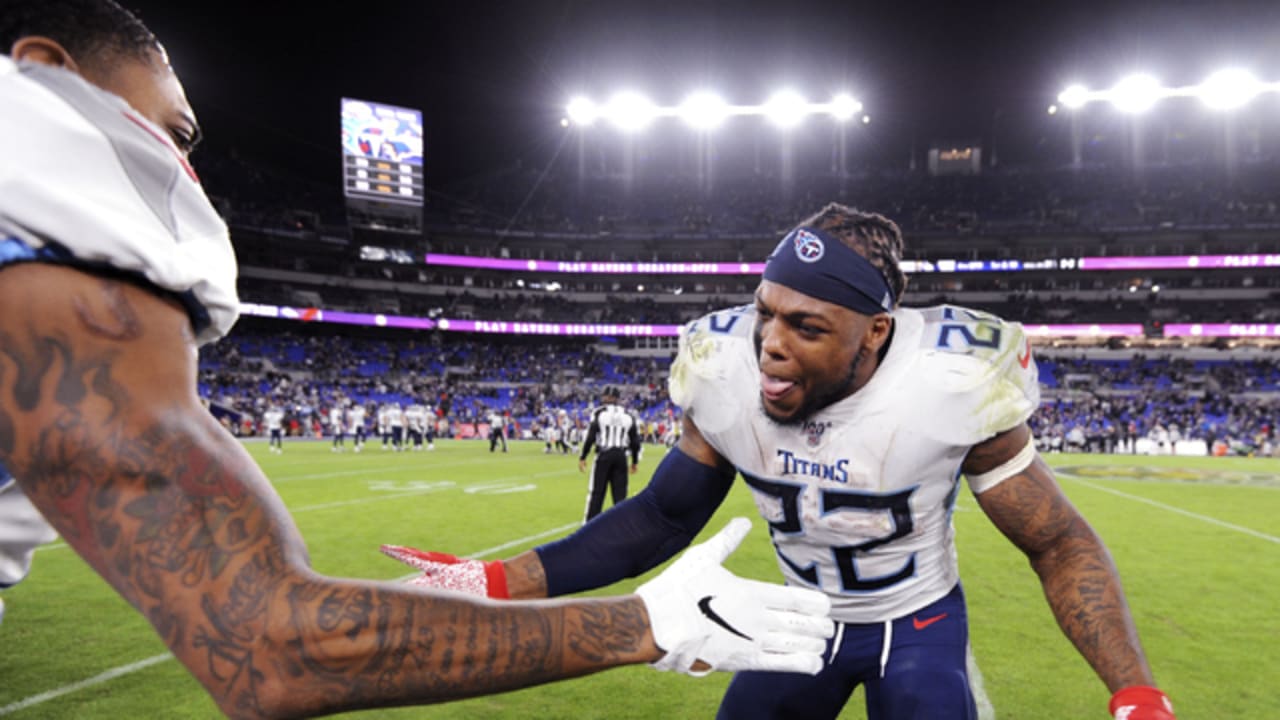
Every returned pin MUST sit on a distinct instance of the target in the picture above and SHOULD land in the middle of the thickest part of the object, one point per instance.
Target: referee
(615, 432)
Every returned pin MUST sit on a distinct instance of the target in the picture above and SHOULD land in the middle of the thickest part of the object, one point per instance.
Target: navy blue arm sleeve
(640, 533)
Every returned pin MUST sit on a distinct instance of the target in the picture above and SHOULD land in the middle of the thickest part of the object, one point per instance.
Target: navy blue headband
(810, 261)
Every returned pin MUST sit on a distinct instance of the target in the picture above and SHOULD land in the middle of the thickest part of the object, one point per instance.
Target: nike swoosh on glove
(700, 611)
(450, 572)
(1140, 702)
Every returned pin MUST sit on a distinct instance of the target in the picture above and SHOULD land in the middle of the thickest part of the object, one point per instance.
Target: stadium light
(1229, 89)
(1074, 97)
(631, 111)
(1136, 93)
(843, 107)
(704, 110)
(786, 109)
(582, 111)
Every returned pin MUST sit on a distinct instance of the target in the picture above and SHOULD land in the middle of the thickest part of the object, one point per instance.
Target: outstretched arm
(1077, 573)
(100, 422)
(638, 534)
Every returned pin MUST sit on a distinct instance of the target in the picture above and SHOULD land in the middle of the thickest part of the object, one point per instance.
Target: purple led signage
(500, 327)
(524, 327)
(1180, 262)
(593, 267)
(1104, 330)
(521, 327)
(1221, 330)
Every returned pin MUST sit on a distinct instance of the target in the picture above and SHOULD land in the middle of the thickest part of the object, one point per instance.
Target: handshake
(702, 616)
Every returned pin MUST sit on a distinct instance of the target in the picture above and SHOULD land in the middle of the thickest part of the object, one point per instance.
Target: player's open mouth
(773, 388)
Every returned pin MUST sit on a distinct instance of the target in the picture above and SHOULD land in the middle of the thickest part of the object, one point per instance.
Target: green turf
(1197, 542)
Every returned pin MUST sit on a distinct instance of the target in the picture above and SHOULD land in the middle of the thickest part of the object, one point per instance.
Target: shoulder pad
(983, 364)
(715, 356)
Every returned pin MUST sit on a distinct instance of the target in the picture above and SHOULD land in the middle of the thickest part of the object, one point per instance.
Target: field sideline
(1197, 541)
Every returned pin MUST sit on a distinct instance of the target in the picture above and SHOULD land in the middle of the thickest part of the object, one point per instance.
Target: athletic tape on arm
(1016, 464)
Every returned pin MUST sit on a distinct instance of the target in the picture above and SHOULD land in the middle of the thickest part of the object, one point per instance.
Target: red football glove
(450, 572)
(1139, 702)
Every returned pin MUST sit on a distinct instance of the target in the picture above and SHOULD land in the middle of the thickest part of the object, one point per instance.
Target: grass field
(1197, 542)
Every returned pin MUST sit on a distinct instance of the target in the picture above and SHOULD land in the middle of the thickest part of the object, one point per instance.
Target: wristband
(495, 572)
(1127, 701)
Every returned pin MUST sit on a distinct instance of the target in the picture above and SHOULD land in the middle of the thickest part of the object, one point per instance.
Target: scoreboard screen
(381, 152)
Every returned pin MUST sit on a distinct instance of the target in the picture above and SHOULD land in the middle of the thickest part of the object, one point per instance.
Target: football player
(122, 267)
(337, 425)
(355, 415)
(852, 420)
(273, 420)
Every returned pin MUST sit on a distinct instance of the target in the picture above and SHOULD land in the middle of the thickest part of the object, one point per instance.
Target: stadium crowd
(1091, 404)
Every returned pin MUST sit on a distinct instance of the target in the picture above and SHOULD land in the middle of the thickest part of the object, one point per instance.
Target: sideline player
(851, 420)
(273, 420)
(355, 416)
(415, 417)
(101, 425)
(338, 426)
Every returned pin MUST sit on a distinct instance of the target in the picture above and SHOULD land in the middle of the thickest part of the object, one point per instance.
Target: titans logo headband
(812, 262)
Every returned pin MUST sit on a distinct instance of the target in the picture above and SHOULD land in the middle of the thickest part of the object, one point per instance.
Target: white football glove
(700, 611)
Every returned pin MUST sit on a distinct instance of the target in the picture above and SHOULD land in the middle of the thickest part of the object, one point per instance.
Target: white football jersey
(86, 181)
(859, 495)
(274, 419)
(356, 416)
(335, 419)
(22, 529)
(415, 417)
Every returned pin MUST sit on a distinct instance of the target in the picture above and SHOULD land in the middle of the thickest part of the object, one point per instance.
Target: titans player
(852, 420)
(122, 267)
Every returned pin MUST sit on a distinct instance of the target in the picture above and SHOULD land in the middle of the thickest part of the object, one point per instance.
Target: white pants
(22, 528)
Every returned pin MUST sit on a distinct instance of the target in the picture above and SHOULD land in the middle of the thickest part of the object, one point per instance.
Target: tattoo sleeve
(100, 423)
(1076, 571)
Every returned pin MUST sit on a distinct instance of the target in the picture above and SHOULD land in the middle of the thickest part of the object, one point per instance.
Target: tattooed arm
(1078, 575)
(100, 422)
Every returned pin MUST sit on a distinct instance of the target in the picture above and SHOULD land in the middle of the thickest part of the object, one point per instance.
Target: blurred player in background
(101, 425)
(273, 421)
(338, 426)
(415, 419)
(355, 418)
(395, 422)
(852, 420)
(384, 425)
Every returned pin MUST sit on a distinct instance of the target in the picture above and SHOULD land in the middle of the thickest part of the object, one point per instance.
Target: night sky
(492, 77)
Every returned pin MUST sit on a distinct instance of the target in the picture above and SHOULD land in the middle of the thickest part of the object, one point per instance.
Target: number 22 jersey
(859, 495)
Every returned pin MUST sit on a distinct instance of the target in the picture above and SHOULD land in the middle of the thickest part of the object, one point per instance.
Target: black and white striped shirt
(613, 428)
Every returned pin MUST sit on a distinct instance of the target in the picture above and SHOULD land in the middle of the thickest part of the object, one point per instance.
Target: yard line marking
(345, 473)
(122, 670)
(1180, 511)
(109, 675)
(375, 498)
